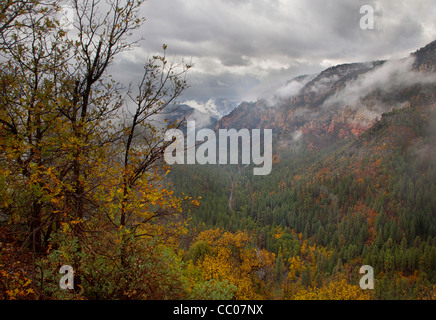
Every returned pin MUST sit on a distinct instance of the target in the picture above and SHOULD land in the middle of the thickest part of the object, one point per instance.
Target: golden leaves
(232, 258)
(335, 290)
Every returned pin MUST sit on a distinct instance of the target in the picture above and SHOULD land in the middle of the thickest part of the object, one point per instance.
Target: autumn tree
(32, 49)
(338, 289)
(82, 176)
(229, 261)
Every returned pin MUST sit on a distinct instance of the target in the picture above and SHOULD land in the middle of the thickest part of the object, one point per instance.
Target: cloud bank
(390, 77)
(246, 48)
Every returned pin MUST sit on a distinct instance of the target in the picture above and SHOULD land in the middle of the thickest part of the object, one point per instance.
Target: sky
(246, 49)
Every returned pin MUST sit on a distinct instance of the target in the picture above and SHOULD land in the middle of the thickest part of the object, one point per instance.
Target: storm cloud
(243, 49)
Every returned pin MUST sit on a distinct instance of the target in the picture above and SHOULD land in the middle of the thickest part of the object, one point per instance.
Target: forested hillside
(352, 179)
(367, 200)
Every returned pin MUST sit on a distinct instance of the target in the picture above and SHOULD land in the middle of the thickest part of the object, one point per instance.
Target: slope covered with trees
(365, 200)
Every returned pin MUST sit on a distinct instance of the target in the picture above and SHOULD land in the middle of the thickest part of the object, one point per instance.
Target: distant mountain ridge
(425, 58)
(343, 100)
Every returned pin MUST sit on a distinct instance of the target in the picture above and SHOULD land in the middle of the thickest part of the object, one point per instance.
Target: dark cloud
(245, 47)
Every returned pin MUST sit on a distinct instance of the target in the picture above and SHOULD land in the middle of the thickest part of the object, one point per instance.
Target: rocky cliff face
(343, 101)
(425, 58)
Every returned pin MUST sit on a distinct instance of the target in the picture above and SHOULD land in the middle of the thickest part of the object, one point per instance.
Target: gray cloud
(246, 48)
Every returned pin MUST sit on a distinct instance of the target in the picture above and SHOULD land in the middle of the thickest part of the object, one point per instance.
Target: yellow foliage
(335, 290)
(233, 258)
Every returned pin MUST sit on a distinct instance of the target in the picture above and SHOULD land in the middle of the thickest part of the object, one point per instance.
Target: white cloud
(389, 78)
